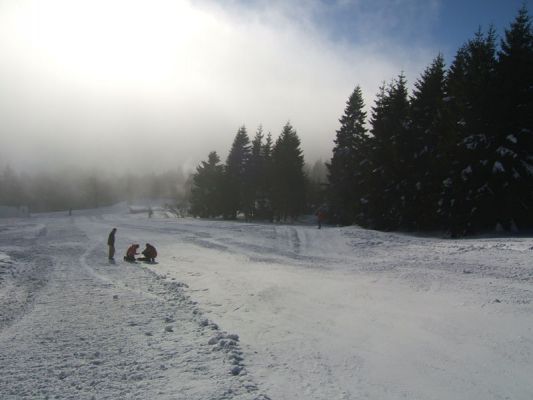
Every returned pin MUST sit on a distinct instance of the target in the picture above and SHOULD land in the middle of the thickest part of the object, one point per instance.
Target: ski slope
(239, 310)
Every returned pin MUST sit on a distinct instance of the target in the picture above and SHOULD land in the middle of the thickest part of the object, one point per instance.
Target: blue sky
(458, 20)
(442, 25)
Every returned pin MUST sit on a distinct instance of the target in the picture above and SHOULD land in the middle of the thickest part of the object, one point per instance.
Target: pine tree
(236, 191)
(255, 179)
(11, 189)
(512, 151)
(390, 148)
(207, 186)
(344, 189)
(467, 201)
(264, 200)
(428, 162)
(288, 194)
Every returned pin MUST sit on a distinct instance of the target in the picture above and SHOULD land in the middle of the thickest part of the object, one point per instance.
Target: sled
(146, 261)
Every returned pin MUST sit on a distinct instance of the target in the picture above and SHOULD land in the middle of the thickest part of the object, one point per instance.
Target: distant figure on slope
(149, 253)
(111, 244)
(131, 253)
(320, 216)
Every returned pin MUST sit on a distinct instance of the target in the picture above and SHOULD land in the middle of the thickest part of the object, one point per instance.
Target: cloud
(158, 84)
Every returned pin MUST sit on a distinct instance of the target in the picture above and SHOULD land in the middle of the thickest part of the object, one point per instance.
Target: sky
(155, 85)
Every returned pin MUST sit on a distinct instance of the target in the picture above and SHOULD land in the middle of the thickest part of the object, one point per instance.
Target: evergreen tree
(206, 191)
(390, 148)
(236, 192)
(512, 151)
(255, 172)
(266, 148)
(428, 162)
(11, 189)
(344, 170)
(467, 202)
(317, 186)
(376, 151)
(264, 198)
(288, 194)
(260, 175)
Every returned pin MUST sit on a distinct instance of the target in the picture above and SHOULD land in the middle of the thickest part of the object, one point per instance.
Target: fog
(147, 86)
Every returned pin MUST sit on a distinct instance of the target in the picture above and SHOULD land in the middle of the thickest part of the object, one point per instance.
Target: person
(149, 253)
(321, 216)
(131, 253)
(111, 244)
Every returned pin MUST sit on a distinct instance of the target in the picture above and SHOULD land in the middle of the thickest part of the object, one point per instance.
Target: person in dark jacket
(111, 244)
(149, 253)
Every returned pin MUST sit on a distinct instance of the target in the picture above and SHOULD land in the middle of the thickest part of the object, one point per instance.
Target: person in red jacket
(321, 216)
(131, 253)
(149, 253)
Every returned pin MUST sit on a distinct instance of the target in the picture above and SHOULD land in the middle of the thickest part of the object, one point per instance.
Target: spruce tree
(344, 170)
(206, 191)
(255, 181)
(512, 151)
(389, 146)
(288, 192)
(236, 197)
(467, 201)
(11, 189)
(264, 202)
(428, 162)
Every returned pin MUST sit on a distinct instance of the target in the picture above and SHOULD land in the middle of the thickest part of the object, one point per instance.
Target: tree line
(78, 189)
(455, 155)
(260, 179)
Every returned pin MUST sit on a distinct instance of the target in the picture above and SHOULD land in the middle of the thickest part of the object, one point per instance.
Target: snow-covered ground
(238, 310)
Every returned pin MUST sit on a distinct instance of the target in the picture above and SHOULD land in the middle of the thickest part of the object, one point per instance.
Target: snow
(238, 310)
(497, 167)
(505, 152)
(512, 138)
(528, 167)
(465, 172)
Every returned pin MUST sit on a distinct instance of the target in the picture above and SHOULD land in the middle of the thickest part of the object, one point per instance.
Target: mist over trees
(78, 189)
(456, 155)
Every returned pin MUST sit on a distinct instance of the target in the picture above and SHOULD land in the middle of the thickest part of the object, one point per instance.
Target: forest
(455, 155)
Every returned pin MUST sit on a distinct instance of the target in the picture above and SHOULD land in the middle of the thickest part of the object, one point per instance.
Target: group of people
(149, 253)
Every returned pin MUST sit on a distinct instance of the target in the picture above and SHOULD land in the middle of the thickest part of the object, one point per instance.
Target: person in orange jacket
(131, 253)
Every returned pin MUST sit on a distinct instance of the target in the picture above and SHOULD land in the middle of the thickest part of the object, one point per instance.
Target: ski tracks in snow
(103, 331)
